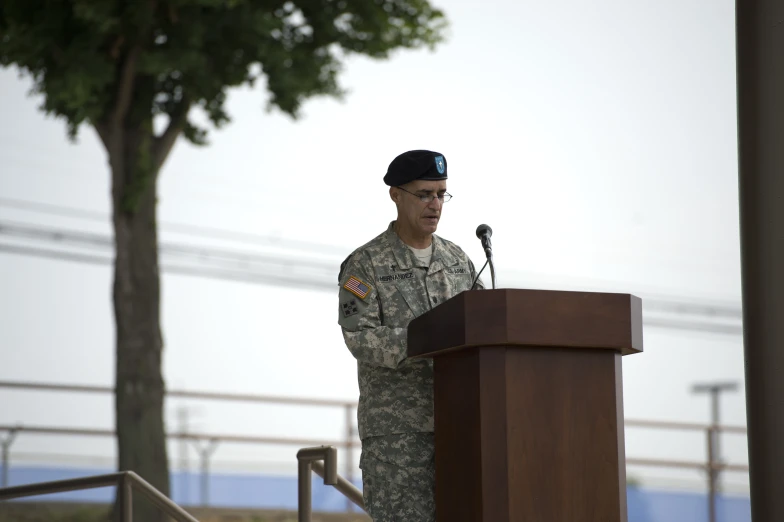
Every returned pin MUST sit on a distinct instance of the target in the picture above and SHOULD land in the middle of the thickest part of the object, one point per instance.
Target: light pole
(714, 454)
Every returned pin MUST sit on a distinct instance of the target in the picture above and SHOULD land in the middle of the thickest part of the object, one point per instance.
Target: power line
(181, 228)
(242, 259)
(312, 283)
(55, 254)
(225, 275)
(667, 305)
(652, 302)
(56, 210)
(240, 263)
(730, 329)
(200, 253)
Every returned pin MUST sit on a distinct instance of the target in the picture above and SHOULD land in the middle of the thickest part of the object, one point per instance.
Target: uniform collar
(405, 258)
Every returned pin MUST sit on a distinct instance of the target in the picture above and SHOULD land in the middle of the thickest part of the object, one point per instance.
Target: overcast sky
(597, 139)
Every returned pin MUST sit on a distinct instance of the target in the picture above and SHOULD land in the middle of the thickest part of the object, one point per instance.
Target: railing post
(6, 451)
(304, 491)
(126, 499)
(182, 414)
(349, 451)
(304, 458)
(712, 471)
(205, 453)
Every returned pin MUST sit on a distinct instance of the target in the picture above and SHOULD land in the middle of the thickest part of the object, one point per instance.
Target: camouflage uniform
(383, 286)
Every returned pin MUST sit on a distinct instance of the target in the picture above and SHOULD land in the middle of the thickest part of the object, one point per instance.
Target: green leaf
(76, 51)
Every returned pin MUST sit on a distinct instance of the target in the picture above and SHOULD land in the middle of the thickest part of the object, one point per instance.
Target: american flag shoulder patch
(357, 287)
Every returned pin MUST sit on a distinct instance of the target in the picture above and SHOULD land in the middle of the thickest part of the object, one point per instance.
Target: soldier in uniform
(384, 284)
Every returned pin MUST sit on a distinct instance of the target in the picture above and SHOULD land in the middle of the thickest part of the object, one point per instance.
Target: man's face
(417, 216)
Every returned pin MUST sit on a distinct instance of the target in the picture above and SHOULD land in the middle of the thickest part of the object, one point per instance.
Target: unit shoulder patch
(349, 308)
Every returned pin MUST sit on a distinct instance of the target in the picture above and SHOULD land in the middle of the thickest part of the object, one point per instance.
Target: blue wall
(280, 492)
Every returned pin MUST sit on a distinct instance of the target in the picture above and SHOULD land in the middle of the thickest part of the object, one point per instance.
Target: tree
(122, 66)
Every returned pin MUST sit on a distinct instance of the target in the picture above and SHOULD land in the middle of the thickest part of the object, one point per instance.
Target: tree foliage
(178, 54)
(118, 65)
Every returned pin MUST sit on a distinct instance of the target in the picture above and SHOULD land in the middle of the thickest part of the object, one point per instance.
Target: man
(384, 284)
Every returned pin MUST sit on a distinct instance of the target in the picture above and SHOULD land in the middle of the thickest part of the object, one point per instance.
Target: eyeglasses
(446, 196)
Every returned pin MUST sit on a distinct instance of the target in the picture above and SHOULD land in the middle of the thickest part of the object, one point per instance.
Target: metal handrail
(350, 442)
(283, 441)
(349, 490)
(687, 426)
(182, 394)
(309, 460)
(309, 401)
(685, 464)
(126, 481)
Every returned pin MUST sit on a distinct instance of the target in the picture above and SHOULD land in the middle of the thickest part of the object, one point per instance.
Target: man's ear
(394, 195)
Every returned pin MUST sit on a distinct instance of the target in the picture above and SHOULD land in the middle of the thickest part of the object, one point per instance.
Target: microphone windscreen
(481, 230)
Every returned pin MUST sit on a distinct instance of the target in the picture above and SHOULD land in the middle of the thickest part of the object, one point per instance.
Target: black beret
(416, 164)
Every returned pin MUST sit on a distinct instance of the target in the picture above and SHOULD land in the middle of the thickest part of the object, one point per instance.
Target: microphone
(484, 232)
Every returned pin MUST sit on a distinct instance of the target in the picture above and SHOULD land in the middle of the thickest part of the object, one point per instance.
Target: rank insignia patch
(350, 308)
(357, 287)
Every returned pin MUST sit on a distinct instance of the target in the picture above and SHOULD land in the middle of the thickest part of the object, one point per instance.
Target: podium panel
(529, 404)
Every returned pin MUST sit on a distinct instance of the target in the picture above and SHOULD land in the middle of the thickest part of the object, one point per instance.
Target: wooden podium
(529, 403)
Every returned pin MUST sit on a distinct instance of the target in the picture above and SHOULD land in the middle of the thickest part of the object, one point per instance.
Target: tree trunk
(139, 387)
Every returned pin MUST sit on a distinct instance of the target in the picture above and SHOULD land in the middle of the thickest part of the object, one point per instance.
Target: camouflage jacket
(383, 286)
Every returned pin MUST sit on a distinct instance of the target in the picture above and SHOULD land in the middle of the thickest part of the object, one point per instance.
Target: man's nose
(436, 203)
